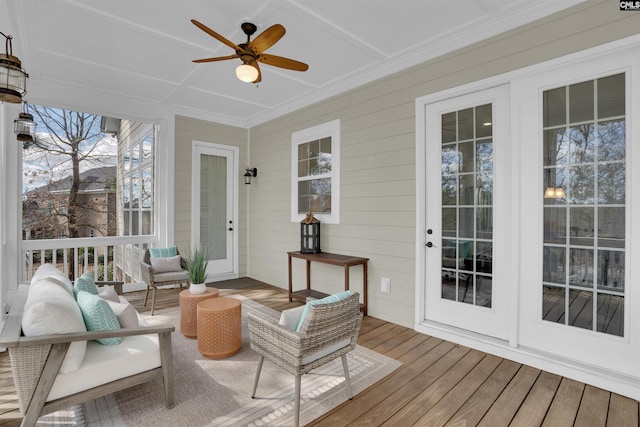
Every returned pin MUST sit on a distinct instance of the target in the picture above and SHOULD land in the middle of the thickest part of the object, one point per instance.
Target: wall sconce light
(13, 79)
(24, 127)
(250, 172)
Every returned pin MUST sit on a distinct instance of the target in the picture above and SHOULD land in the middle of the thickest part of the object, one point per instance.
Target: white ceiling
(140, 51)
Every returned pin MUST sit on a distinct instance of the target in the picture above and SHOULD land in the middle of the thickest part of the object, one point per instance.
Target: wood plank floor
(438, 384)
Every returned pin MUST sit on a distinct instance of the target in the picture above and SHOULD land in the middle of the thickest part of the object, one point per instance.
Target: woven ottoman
(188, 310)
(219, 327)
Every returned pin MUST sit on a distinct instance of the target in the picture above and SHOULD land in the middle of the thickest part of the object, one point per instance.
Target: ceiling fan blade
(267, 38)
(214, 34)
(217, 58)
(279, 61)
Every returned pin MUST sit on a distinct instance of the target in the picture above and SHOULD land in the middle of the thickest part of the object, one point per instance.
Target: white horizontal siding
(378, 157)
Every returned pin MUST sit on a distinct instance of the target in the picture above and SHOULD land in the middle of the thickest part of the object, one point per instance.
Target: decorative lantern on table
(309, 235)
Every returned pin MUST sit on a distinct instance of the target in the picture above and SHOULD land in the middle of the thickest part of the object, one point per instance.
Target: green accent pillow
(163, 252)
(85, 283)
(331, 298)
(98, 316)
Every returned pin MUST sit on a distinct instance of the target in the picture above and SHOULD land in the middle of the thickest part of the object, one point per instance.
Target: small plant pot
(197, 288)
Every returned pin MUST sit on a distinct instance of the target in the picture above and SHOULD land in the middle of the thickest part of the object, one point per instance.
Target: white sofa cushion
(327, 350)
(51, 309)
(103, 364)
(51, 273)
(171, 276)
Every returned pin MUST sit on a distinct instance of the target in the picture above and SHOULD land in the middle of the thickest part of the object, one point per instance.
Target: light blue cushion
(98, 316)
(331, 298)
(85, 283)
(163, 252)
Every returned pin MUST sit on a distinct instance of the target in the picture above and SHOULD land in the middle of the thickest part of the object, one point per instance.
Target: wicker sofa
(49, 371)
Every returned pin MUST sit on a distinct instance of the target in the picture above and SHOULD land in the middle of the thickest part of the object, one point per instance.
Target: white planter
(197, 288)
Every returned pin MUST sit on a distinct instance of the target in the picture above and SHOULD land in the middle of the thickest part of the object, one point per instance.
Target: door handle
(429, 244)
(230, 229)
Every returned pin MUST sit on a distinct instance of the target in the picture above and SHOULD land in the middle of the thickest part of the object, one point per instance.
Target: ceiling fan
(251, 52)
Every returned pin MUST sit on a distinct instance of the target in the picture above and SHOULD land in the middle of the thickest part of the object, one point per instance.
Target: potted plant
(197, 268)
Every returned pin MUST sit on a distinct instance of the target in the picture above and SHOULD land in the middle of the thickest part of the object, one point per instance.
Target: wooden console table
(345, 261)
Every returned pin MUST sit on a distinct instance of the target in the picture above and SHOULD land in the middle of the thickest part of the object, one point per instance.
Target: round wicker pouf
(188, 310)
(219, 327)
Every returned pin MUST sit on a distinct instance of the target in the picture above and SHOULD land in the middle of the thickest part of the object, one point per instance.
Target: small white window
(315, 173)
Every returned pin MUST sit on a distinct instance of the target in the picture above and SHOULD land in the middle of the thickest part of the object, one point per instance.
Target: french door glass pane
(467, 200)
(213, 206)
(584, 205)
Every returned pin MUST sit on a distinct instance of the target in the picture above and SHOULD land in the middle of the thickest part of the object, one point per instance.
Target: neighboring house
(45, 208)
(409, 146)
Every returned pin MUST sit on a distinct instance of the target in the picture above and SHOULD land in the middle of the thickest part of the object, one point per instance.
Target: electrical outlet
(385, 285)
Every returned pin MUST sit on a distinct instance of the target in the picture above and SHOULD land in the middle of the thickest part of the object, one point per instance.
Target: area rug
(218, 392)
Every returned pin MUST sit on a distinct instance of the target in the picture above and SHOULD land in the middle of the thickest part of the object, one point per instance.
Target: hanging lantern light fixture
(24, 126)
(13, 79)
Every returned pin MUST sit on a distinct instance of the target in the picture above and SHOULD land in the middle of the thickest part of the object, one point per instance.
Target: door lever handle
(230, 229)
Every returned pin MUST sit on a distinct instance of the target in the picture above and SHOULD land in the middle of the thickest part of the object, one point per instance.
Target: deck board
(439, 383)
(466, 388)
(564, 408)
(535, 406)
(479, 403)
(593, 407)
(507, 404)
(458, 364)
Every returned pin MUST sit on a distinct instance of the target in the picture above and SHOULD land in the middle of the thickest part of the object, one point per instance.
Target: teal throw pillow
(163, 252)
(85, 283)
(331, 298)
(98, 316)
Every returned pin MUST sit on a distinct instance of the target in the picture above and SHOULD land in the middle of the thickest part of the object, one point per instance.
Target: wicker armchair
(329, 331)
(153, 279)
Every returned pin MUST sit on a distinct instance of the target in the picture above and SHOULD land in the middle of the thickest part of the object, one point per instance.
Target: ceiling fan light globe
(246, 73)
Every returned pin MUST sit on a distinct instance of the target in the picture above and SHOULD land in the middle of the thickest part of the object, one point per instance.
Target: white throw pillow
(165, 265)
(108, 293)
(49, 271)
(50, 309)
(291, 317)
(126, 314)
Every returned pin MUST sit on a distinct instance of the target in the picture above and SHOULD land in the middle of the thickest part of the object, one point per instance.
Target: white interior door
(466, 235)
(214, 207)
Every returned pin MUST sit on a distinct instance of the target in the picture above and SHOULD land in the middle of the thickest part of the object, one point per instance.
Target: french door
(581, 293)
(466, 253)
(214, 208)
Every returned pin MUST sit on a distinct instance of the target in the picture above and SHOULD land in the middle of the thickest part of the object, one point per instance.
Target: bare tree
(67, 143)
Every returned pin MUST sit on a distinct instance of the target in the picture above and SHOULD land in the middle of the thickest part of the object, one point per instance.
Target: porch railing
(108, 258)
